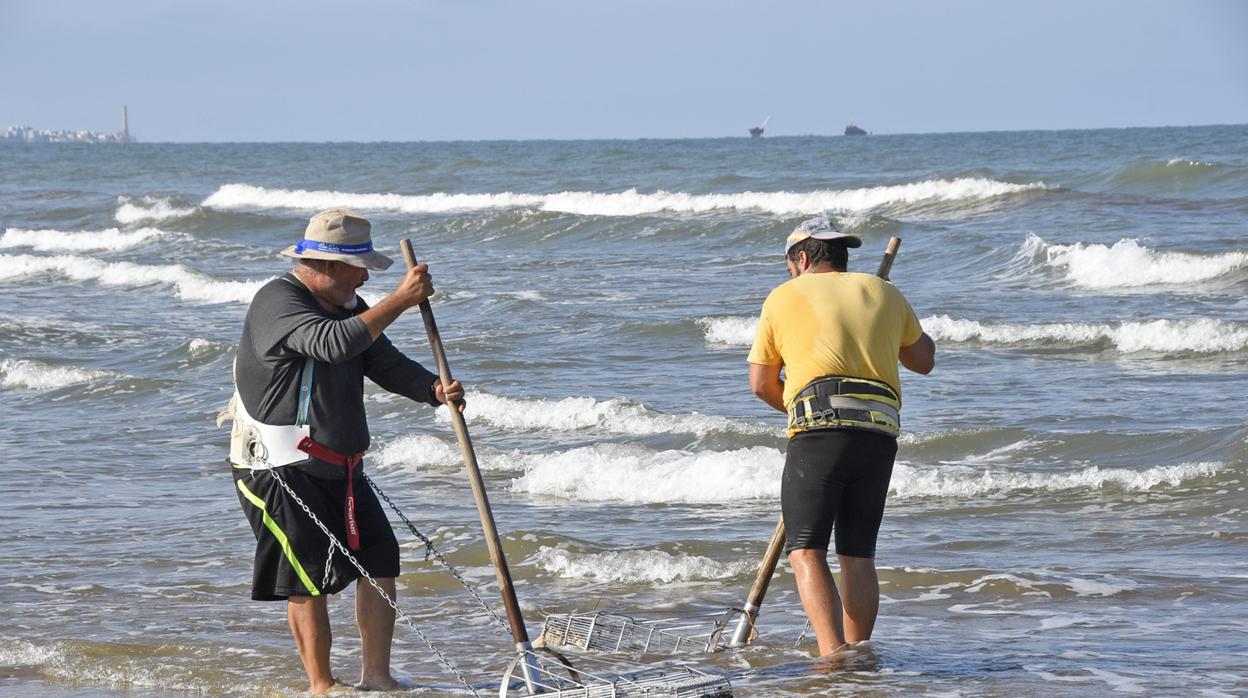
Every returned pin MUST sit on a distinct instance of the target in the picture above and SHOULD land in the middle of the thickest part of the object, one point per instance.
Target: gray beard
(350, 305)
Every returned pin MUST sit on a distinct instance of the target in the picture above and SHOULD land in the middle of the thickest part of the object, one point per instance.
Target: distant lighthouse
(124, 136)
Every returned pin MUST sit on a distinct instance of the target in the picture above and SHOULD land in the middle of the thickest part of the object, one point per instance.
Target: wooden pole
(744, 633)
(518, 632)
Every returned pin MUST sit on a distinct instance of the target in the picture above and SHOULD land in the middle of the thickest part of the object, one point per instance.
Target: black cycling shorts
(836, 478)
(293, 555)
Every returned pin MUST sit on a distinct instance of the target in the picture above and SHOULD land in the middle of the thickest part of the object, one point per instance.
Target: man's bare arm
(919, 357)
(766, 384)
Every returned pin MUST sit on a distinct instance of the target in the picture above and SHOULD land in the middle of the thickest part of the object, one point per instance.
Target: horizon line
(640, 138)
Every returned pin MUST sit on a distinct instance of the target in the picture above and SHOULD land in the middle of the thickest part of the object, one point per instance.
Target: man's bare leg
(860, 594)
(309, 623)
(819, 597)
(375, 618)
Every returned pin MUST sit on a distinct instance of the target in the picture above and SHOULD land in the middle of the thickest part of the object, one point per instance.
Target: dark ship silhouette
(852, 130)
(757, 131)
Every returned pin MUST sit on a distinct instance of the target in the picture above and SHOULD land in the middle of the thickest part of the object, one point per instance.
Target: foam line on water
(1201, 335)
(637, 566)
(615, 416)
(108, 240)
(25, 374)
(1198, 335)
(148, 208)
(963, 482)
(636, 474)
(1128, 264)
(626, 203)
(190, 285)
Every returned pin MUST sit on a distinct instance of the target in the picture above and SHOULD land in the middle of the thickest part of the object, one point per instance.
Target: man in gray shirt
(300, 433)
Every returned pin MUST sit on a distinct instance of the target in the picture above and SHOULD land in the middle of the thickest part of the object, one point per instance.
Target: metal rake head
(549, 673)
(604, 631)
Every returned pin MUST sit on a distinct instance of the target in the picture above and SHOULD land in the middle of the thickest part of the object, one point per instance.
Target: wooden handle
(890, 253)
(519, 633)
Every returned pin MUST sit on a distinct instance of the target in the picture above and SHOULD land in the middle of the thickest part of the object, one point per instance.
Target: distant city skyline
(556, 69)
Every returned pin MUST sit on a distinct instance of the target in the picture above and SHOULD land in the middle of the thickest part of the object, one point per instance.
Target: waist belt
(319, 452)
(835, 402)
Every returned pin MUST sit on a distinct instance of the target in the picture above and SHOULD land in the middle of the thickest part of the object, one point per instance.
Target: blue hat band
(305, 245)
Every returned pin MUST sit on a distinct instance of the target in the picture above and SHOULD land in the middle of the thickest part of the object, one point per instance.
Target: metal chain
(802, 638)
(446, 663)
(431, 549)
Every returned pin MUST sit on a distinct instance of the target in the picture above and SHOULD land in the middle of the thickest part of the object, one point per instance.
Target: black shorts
(293, 555)
(836, 478)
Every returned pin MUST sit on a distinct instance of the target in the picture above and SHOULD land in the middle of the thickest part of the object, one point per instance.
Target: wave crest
(1128, 264)
(108, 240)
(191, 285)
(1201, 336)
(626, 203)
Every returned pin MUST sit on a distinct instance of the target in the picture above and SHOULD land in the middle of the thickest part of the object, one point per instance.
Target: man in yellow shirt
(838, 337)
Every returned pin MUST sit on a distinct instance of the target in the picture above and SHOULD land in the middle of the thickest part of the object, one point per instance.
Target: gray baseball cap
(819, 228)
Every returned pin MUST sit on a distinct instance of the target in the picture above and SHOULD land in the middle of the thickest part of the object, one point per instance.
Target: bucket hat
(339, 235)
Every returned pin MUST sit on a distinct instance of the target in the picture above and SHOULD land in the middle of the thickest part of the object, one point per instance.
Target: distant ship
(852, 130)
(757, 131)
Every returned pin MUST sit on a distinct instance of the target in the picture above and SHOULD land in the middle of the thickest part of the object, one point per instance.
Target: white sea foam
(108, 240)
(637, 566)
(1128, 264)
(1201, 335)
(1100, 587)
(1192, 163)
(603, 416)
(419, 450)
(190, 284)
(626, 203)
(964, 482)
(632, 473)
(729, 331)
(23, 374)
(148, 208)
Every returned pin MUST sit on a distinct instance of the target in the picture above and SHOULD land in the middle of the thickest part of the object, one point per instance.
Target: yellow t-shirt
(834, 324)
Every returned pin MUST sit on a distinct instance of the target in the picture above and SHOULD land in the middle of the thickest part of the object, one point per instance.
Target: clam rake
(545, 671)
(606, 631)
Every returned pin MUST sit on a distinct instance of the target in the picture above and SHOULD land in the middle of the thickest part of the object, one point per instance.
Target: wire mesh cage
(605, 631)
(550, 674)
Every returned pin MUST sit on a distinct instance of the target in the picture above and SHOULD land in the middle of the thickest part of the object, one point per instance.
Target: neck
(315, 283)
(821, 268)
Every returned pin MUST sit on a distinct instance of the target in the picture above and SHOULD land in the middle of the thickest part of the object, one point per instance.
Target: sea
(1067, 515)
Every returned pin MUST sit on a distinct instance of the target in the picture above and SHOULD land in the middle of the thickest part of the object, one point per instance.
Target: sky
(407, 70)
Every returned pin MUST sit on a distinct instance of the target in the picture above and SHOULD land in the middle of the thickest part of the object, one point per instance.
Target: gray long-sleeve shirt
(285, 325)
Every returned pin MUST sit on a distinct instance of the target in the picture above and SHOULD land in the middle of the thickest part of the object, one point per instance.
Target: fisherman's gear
(255, 445)
(837, 402)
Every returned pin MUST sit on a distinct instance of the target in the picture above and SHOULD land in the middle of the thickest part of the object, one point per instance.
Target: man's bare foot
(389, 683)
(335, 688)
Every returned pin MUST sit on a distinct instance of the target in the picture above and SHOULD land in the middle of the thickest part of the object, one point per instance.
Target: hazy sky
(267, 70)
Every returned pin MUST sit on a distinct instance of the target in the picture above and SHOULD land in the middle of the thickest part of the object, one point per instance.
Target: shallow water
(1068, 508)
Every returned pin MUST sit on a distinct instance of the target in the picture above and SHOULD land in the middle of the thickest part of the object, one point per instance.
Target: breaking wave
(190, 284)
(637, 566)
(626, 203)
(23, 374)
(615, 416)
(729, 331)
(960, 481)
(1202, 336)
(1128, 264)
(635, 474)
(109, 240)
(148, 208)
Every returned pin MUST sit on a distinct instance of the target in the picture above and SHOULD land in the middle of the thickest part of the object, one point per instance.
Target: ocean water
(1068, 509)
